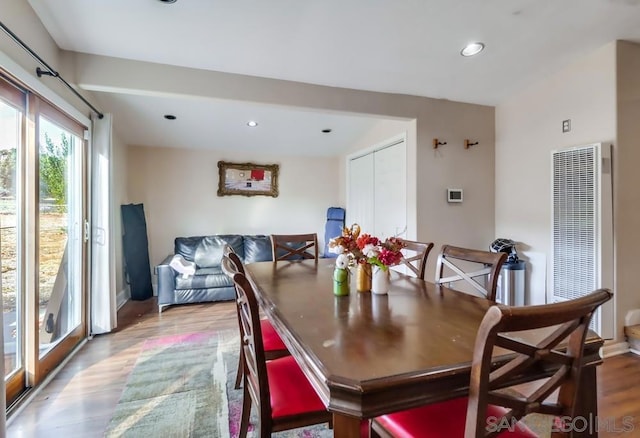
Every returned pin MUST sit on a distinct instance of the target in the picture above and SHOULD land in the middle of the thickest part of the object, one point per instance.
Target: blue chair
(333, 228)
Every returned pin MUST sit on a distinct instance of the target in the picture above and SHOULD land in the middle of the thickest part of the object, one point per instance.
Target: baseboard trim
(634, 351)
(123, 296)
(615, 349)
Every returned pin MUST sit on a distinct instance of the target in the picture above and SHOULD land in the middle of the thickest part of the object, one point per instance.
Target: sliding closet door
(377, 190)
(360, 206)
(390, 194)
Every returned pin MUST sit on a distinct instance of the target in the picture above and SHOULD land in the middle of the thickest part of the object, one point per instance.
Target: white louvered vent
(577, 267)
(574, 222)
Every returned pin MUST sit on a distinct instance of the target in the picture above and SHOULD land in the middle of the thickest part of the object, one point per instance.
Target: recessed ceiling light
(252, 123)
(168, 1)
(170, 117)
(326, 131)
(472, 49)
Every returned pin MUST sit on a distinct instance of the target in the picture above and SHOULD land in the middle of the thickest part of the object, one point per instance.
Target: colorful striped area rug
(182, 387)
(173, 390)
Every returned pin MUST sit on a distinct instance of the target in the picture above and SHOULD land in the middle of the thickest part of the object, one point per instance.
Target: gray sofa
(209, 282)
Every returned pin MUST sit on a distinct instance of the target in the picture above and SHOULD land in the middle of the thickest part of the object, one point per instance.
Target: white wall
(178, 189)
(528, 128)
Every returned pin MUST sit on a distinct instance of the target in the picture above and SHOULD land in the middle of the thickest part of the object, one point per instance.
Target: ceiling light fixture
(168, 1)
(472, 49)
(252, 123)
(326, 131)
(170, 117)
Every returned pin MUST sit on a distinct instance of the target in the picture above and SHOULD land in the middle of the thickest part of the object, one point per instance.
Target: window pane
(9, 140)
(60, 244)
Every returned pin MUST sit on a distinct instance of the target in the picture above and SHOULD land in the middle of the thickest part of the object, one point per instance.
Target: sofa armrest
(166, 282)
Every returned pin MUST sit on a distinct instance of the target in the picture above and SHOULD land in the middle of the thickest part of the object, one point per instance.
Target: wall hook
(468, 143)
(437, 143)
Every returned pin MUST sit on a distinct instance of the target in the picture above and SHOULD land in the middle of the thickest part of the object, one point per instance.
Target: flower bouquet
(382, 254)
(365, 251)
(347, 245)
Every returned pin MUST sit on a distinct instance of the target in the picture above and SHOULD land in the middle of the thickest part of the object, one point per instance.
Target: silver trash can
(510, 289)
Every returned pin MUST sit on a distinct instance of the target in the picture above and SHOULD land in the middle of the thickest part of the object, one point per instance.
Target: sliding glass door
(60, 231)
(12, 115)
(43, 245)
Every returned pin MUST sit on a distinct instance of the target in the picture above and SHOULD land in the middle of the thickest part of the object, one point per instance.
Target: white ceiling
(403, 46)
(222, 124)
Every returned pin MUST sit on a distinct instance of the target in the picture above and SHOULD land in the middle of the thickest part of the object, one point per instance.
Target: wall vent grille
(576, 226)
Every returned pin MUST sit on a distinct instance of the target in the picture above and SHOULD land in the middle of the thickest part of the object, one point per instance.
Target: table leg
(586, 420)
(345, 426)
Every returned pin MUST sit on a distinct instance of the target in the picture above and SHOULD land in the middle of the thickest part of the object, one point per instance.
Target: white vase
(380, 281)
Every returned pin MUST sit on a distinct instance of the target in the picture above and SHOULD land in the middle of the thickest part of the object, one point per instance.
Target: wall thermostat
(454, 195)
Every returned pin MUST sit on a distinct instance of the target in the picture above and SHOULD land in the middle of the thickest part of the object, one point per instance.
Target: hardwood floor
(80, 400)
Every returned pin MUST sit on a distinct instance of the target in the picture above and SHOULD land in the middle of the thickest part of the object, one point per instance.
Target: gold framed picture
(247, 179)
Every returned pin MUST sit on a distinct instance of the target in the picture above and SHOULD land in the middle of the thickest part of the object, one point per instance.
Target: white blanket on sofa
(184, 267)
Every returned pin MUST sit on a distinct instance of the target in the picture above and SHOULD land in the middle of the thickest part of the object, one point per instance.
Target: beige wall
(20, 18)
(178, 189)
(431, 171)
(528, 128)
(469, 224)
(627, 181)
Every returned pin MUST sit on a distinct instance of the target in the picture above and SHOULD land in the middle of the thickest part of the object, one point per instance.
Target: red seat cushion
(270, 337)
(444, 420)
(291, 392)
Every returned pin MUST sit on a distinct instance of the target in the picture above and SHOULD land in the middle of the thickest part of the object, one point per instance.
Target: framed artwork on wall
(247, 179)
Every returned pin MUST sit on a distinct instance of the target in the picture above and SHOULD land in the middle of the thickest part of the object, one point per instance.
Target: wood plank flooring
(80, 400)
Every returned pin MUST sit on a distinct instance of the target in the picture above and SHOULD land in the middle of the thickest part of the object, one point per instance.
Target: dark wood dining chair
(493, 408)
(273, 345)
(294, 246)
(415, 256)
(282, 394)
(456, 261)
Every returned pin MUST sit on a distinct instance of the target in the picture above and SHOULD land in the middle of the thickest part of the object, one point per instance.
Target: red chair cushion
(270, 337)
(291, 392)
(443, 420)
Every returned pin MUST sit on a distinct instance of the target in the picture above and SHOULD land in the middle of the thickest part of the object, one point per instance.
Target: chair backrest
(454, 259)
(294, 246)
(255, 369)
(415, 256)
(227, 250)
(486, 387)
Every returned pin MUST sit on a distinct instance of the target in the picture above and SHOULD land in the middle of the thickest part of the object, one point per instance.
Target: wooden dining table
(368, 355)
